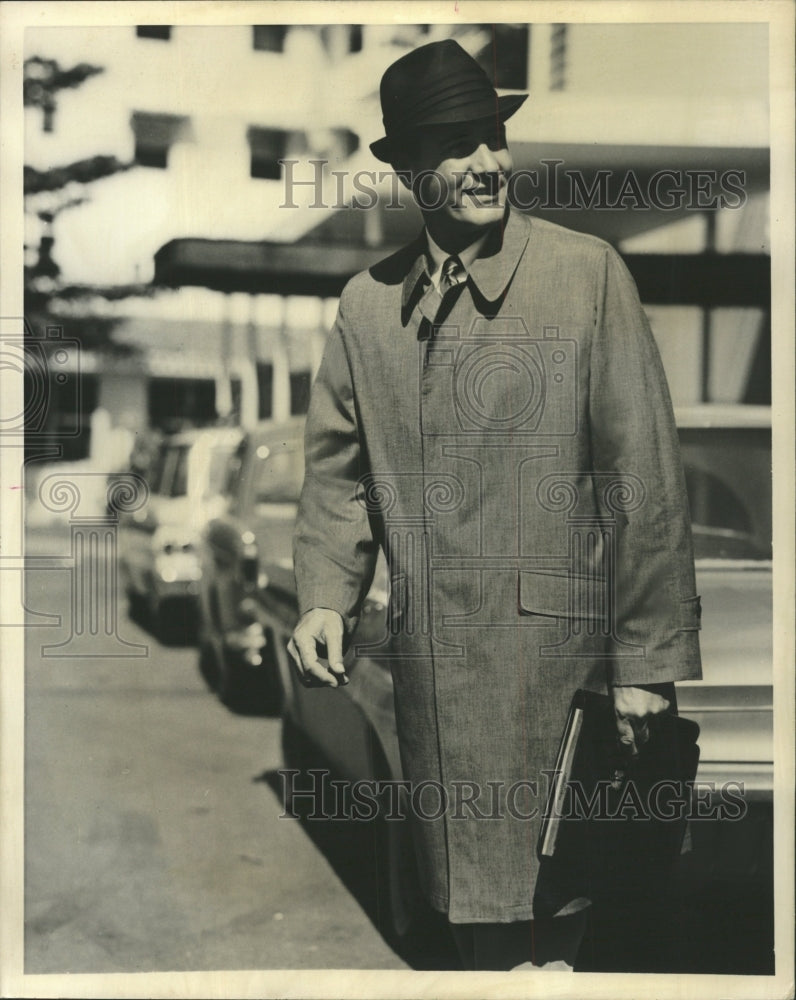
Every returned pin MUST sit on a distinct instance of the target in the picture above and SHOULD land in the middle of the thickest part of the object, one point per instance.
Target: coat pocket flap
(691, 614)
(547, 593)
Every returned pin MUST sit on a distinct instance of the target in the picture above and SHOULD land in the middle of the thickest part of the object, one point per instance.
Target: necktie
(436, 310)
(453, 274)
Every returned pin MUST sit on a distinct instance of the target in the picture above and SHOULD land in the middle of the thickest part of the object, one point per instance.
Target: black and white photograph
(396, 438)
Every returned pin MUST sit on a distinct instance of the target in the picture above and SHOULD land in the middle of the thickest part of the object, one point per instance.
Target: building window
(341, 40)
(405, 35)
(558, 57)
(155, 134)
(162, 32)
(355, 38)
(300, 385)
(269, 37)
(339, 145)
(151, 156)
(268, 146)
(62, 416)
(505, 59)
(175, 403)
(265, 389)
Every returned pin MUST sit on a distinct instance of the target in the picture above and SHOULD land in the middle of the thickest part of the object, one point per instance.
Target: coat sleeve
(334, 552)
(633, 434)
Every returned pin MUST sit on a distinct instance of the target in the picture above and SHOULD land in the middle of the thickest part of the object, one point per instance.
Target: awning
(705, 279)
(261, 267)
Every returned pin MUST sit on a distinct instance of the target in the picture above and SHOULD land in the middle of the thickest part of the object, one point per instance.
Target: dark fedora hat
(436, 84)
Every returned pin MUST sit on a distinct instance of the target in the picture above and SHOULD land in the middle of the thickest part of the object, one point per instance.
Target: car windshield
(728, 479)
(170, 474)
(178, 487)
(279, 474)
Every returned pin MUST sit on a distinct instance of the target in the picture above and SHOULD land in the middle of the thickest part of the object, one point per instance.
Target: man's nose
(484, 161)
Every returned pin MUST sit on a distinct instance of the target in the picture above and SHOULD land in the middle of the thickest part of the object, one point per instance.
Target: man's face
(462, 171)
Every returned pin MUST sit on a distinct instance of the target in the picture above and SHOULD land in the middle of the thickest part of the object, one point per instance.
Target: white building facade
(205, 114)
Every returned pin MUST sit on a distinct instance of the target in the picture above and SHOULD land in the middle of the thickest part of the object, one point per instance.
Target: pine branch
(81, 172)
(43, 78)
(69, 78)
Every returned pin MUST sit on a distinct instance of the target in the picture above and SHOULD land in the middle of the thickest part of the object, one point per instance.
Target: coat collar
(490, 273)
(495, 268)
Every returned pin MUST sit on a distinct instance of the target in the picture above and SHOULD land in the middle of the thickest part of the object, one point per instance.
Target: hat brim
(385, 148)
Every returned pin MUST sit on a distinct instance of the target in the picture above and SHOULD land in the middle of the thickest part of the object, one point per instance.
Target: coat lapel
(490, 273)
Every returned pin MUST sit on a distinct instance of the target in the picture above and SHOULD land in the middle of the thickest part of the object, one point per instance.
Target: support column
(223, 383)
(281, 366)
(242, 315)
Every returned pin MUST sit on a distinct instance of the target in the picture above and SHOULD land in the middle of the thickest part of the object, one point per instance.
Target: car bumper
(176, 590)
(176, 575)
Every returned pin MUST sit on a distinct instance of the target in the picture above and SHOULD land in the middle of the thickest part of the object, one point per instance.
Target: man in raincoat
(491, 410)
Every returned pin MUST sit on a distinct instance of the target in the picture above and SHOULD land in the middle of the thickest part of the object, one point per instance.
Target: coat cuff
(676, 660)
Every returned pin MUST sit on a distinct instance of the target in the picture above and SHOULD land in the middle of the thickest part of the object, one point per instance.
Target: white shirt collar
(467, 256)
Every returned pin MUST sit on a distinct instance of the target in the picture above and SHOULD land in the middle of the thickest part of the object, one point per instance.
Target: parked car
(714, 912)
(726, 454)
(263, 480)
(140, 463)
(249, 609)
(158, 555)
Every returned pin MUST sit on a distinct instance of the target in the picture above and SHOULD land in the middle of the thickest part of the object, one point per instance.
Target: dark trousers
(500, 947)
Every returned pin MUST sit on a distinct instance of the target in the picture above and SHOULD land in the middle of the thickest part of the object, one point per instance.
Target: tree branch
(81, 172)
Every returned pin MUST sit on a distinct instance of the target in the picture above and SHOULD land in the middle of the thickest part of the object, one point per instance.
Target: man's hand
(319, 627)
(633, 707)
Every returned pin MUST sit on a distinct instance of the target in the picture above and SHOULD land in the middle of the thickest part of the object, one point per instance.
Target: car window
(728, 479)
(166, 471)
(714, 503)
(232, 470)
(279, 475)
(177, 484)
(218, 470)
(157, 468)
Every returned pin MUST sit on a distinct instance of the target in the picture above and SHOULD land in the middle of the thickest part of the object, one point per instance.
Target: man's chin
(478, 216)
